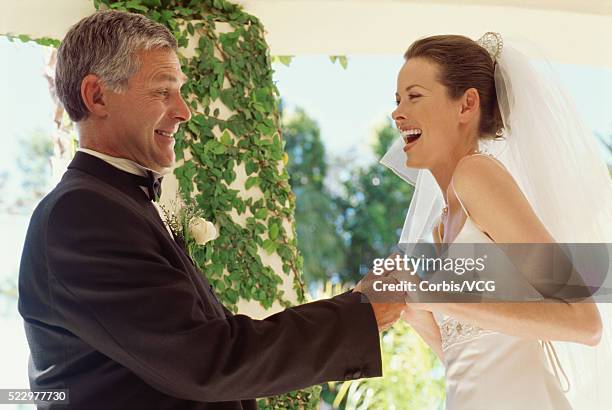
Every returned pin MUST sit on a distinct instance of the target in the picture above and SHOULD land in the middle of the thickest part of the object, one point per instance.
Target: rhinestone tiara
(493, 43)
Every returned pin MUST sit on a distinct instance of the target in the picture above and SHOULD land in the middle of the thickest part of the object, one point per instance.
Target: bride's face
(425, 115)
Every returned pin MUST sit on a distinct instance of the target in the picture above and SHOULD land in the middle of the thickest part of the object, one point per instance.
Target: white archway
(569, 31)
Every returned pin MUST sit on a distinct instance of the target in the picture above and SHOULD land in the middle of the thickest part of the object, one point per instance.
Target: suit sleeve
(111, 286)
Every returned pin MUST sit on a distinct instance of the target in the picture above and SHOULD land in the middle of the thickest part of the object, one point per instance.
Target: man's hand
(387, 314)
(387, 302)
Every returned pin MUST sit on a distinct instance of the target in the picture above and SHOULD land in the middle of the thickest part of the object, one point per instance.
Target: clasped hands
(385, 291)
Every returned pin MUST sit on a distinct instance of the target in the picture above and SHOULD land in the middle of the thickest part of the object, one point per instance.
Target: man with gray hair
(115, 311)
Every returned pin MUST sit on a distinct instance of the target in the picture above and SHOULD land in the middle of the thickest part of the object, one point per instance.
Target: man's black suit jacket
(116, 312)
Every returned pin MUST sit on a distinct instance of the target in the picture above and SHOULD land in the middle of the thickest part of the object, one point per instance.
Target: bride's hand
(412, 315)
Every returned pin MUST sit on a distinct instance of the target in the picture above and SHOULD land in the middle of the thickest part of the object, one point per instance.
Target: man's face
(144, 117)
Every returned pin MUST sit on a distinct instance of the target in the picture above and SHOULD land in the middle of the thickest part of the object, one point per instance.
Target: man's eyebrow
(170, 77)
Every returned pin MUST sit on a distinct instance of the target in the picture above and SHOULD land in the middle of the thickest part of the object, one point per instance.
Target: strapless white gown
(490, 370)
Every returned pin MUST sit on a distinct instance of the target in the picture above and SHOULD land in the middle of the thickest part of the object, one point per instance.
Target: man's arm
(112, 287)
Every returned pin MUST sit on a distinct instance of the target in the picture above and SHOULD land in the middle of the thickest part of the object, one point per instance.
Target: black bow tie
(152, 184)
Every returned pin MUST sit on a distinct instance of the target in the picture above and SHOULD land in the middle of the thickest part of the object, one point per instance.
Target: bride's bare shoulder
(495, 202)
(480, 173)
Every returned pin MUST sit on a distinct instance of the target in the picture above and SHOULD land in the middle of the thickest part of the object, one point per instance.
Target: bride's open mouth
(411, 136)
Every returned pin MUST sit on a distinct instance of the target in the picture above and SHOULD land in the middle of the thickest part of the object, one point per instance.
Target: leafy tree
(34, 164)
(316, 214)
(3, 180)
(413, 376)
(608, 144)
(34, 171)
(373, 209)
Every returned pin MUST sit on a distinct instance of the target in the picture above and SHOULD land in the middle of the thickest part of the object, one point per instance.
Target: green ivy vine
(24, 38)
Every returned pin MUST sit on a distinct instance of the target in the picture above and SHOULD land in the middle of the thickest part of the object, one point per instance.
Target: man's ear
(470, 104)
(93, 95)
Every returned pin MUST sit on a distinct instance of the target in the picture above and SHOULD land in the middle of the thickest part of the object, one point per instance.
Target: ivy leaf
(218, 67)
(214, 93)
(273, 232)
(226, 139)
(341, 59)
(227, 98)
(118, 6)
(154, 15)
(250, 182)
(251, 250)
(232, 295)
(285, 60)
(191, 126)
(184, 11)
(260, 228)
(269, 246)
(250, 167)
(152, 3)
(229, 176)
(190, 172)
(203, 43)
(265, 130)
(264, 142)
(259, 107)
(217, 269)
(185, 185)
(219, 286)
(135, 5)
(261, 213)
(215, 147)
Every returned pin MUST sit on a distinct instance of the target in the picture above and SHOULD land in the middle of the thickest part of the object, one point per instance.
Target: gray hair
(104, 44)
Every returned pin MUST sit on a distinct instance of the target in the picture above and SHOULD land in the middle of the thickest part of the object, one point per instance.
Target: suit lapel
(123, 181)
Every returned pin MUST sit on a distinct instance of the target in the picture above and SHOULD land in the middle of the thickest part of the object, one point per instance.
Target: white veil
(555, 160)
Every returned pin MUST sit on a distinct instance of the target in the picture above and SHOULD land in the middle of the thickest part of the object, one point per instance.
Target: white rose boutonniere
(187, 225)
(201, 230)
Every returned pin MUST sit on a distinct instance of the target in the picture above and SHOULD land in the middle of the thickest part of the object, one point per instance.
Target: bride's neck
(443, 172)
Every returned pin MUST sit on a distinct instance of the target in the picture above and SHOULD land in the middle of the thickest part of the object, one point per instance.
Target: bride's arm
(574, 322)
(495, 202)
(424, 324)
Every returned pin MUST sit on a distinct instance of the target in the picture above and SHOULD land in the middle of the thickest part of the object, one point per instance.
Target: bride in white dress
(497, 356)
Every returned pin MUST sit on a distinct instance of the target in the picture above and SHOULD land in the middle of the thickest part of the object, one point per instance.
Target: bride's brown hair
(463, 64)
